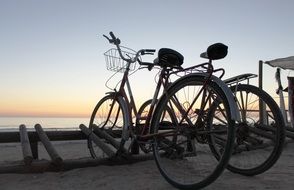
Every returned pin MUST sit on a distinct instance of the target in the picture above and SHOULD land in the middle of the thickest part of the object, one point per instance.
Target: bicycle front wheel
(109, 115)
(261, 133)
(183, 154)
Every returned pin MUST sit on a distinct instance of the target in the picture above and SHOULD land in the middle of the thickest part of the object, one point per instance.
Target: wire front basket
(115, 63)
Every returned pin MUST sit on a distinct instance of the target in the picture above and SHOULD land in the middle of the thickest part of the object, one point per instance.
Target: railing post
(261, 106)
(260, 70)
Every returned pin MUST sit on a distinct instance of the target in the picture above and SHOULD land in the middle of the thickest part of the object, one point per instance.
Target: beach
(142, 175)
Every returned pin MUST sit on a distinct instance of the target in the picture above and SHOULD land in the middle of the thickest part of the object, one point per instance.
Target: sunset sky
(51, 51)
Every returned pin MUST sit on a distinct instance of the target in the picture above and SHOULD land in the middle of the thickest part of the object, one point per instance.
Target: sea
(48, 123)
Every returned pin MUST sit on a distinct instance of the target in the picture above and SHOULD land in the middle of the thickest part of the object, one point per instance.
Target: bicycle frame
(204, 99)
(126, 92)
(163, 82)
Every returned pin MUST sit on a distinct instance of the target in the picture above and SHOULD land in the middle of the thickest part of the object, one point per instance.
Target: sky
(51, 51)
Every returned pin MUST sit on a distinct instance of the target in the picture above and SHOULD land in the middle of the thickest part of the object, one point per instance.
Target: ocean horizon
(53, 123)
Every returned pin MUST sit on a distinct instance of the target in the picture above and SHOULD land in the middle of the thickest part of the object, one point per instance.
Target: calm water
(58, 123)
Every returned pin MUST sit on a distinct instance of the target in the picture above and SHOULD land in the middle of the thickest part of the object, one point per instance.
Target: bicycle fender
(125, 131)
(235, 113)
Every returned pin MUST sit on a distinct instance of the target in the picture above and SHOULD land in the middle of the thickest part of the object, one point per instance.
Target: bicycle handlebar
(116, 41)
(149, 65)
(112, 39)
(148, 52)
(112, 35)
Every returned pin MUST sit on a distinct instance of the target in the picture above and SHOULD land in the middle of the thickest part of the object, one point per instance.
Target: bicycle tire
(272, 133)
(115, 123)
(174, 157)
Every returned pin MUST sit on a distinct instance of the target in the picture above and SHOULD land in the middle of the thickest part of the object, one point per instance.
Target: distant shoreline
(58, 123)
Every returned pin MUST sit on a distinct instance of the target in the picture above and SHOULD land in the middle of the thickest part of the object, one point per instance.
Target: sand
(142, 175)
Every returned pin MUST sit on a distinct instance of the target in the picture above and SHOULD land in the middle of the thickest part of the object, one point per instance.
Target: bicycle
(173, 134)
(259, 135)
(114, 112)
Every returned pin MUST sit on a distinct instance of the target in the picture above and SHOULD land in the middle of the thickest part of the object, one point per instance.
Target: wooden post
(25, 144)
(106, 136)
(48, 146)
(97, 140)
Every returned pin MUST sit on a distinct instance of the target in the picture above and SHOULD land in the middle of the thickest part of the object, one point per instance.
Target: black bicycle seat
(169, 58)
(215, 51)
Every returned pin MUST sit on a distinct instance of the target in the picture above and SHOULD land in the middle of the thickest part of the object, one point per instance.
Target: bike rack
(29, 145)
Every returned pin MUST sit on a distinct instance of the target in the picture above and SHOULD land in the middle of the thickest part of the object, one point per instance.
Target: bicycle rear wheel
(183, 154)
(261, 133)
(109, 115)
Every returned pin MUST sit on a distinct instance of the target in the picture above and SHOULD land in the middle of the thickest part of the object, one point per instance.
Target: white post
(280, 91)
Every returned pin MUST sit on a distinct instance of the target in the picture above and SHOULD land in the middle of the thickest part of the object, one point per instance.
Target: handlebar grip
(112, 35)
(146, 63)
(150, 50)
(114, 40)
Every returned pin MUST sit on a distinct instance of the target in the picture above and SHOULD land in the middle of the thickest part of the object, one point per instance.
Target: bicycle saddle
(169, 58)
(215, 51)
